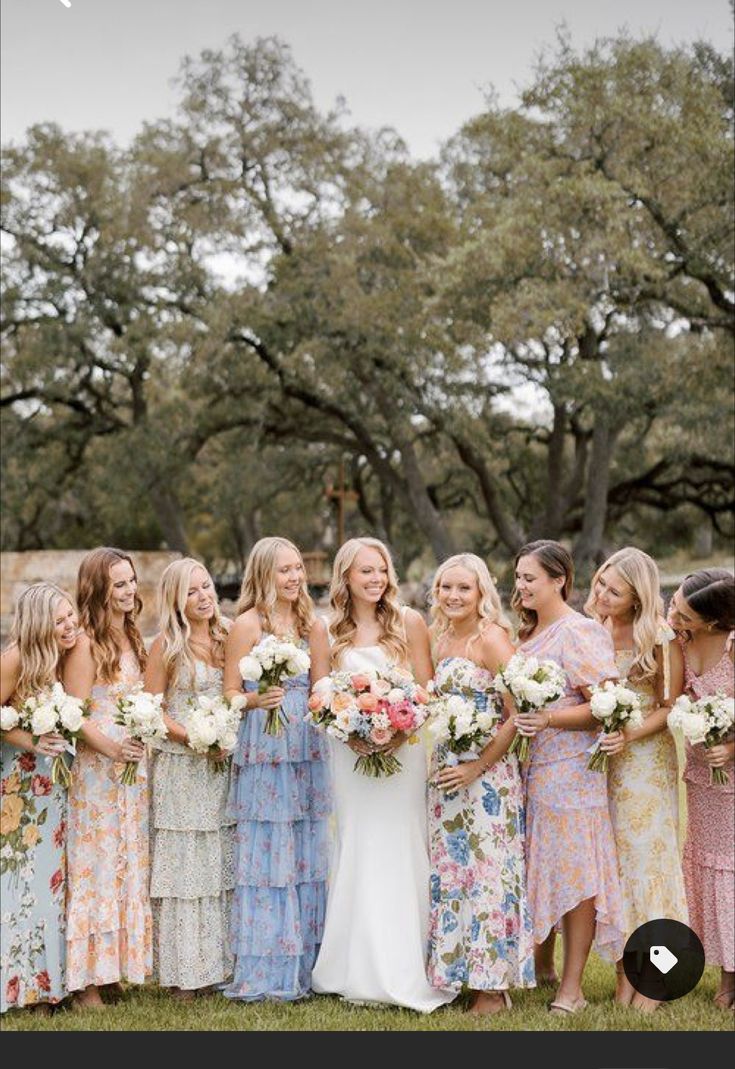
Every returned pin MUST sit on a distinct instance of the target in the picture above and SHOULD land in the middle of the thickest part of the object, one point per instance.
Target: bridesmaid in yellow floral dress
(643, 777)
(109, 914)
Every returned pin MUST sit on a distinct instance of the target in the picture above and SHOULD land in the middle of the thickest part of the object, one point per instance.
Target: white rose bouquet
(271, 661)
(141, 714)
(212, 725)
(532, 684)
(707, 721)
(53, 711)
(615, 705)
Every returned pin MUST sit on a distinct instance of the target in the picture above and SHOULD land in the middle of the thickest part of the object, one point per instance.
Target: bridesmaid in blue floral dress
(280, 798)
(33, 816)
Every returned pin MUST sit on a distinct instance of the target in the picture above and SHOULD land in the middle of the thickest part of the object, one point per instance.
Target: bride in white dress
(374, 945)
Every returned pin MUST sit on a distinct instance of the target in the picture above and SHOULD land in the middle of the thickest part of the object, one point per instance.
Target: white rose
(250, 668)
(485, 721)
(43, 720)
(71, 716)
(627, 697)
(395, 695)
(602, 704)
(532, 692)
(9, 718)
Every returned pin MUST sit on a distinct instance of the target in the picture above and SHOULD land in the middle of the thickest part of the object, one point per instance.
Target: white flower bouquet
(51, 711)
(532, 684)
(141, 714)
(615, 704)
(707, 721)
(212, 725)
(269, 662)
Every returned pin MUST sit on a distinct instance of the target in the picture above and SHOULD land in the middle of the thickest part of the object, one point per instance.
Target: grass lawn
(151, 1009)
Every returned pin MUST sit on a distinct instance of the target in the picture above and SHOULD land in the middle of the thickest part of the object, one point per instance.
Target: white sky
(417, 65)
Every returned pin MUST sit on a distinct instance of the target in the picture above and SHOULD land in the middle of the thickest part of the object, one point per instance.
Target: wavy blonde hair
(259, 590)
(489, 607)
(173, 593)
(640, 572)
(93, 598)
(343, 626)
(34, 633)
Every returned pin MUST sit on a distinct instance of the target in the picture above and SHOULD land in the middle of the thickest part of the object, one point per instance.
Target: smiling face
(66, 624)
(123, 586)
(458, 594)
(367, 578)
(683, 618)
(613, 595)
(289, 574)
(536, 588)
(200, 596)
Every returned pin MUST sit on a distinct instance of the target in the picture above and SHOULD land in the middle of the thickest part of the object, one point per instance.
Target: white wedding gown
(375, 935)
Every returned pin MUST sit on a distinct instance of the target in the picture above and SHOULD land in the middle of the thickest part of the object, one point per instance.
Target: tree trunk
(509, 532)
(426, 516)
(589, 543)
(170, 517)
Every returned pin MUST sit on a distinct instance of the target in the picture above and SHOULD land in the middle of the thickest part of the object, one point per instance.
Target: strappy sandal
(562, 1009)
(725, 1000)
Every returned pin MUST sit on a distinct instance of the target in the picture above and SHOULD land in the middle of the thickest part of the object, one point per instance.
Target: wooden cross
(341, 495)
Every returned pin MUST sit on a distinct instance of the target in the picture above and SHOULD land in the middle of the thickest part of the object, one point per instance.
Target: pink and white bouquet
(615, 705)
(51, 711)
(707, 721)
(212, 725)
(371, 706)
(532, 684)
(141, 714)
(269, 662)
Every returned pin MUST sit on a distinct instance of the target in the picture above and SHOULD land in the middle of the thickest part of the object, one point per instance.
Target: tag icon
(662, 958)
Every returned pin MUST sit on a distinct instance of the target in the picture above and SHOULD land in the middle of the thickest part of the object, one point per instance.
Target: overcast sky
(417, 65)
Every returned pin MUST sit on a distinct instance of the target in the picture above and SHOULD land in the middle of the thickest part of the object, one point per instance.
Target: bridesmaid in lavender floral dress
(573, 881)
(703, 612)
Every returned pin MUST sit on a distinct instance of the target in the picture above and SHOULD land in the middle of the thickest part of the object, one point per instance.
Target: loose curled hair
(640, 572)
(489, 606)
(173, 593)
(557, 563)
(34, 633)
(711, 594)
(94, 596)
(343, 625)
(260, 592)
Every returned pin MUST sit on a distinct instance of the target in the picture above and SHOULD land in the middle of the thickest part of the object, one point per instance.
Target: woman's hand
(50, 745)
(717, 756)
(531, 723)
(454, 777)
(614, 742)
(269, 699)
(219, 755)
(131, 750)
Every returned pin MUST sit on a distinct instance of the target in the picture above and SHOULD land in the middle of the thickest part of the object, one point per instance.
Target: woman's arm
(49, 745)
(319, 651)
(156, 682)
(9, 673)
(451, 778)
(419, 648)
(79, 675)
(244, 634)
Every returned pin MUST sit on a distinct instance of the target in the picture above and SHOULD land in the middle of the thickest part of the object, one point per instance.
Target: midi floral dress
(32, 881)
(480, 930)
(191, 852)
(709, 849)
(109, 914)
(570, 847)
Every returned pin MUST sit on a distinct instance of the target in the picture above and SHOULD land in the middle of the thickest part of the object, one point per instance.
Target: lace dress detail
(191, 853)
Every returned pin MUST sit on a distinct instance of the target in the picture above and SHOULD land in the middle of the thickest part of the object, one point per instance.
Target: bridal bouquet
(708, 720)
(271, 661)
(141, 714)
(615, 705)
(462, 709)
(371, 706)
(51, 711)
(532, 684)
(212, 725)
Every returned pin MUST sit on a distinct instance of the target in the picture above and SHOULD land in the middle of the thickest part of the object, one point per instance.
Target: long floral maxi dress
(191, 852)
(709, 849)
(480, 929)
(281, 802)
(109, 914)
(643, 793)
(32, 881)
(570, 847)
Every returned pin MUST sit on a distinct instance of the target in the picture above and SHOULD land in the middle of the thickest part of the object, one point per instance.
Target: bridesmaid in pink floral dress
(703, 612)
(573, 882)
(109, 915)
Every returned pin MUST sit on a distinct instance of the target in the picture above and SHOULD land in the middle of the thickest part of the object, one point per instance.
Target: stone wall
(60, 566)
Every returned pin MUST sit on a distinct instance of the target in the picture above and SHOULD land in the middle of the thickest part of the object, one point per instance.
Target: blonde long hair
(489, 606)
(343, 625)
(173, 592)
(640, 572)
(259, 590)
(93, 598)
(34, 633)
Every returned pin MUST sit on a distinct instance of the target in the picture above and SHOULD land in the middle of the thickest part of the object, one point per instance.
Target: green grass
(151, 1009)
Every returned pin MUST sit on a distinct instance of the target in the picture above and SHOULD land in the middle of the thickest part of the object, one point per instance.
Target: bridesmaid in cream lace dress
(109, 916)
(643, 786)
(191, 835)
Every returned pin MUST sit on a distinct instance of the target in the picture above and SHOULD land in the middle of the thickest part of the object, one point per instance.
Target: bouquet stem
(378, 764)
(718, 777)
(599, 760)
(130, 774)
(275, 721)
(60, 772)
(520, 746)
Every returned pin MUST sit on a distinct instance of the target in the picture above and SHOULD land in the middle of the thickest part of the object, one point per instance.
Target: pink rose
(41, 785)
(380, 687)
(380, 736)
(367, 702)
(401, 716)
(360, 681)
(316, 703)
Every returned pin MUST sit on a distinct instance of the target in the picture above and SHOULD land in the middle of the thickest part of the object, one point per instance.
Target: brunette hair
(711, 594)
(93, 599)
(557, 563)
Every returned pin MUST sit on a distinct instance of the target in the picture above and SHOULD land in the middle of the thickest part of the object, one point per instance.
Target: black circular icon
(663, 960)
